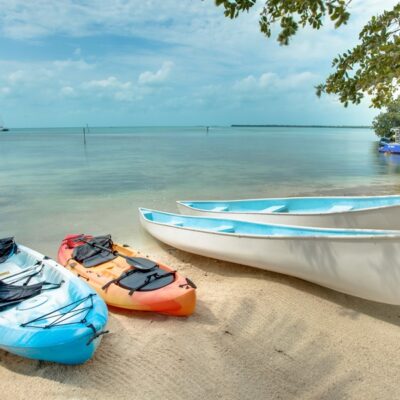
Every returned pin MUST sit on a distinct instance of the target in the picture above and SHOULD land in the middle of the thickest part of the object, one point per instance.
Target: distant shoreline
(302, 126)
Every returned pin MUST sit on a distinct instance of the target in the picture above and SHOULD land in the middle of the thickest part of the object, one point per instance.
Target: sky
(165, 62)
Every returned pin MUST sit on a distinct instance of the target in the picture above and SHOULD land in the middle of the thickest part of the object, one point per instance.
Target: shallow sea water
(52, 185)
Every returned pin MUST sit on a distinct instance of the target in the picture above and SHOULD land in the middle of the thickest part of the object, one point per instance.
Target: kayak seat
(226, 229)
(143, 281)
(272, 209)
(7, 248)
(147, 281)
(90, 256)
(11, 294)
(220, 208)
(340, 208)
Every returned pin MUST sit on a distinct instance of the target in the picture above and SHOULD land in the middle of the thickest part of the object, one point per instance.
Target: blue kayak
(47, 313)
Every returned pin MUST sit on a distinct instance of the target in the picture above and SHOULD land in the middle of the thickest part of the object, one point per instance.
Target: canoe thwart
(340, 208)
(225, 228)
(177, 223)
(277, 208)
(220, 208)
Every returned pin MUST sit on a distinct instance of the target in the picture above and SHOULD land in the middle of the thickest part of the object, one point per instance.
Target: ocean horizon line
(198, 126)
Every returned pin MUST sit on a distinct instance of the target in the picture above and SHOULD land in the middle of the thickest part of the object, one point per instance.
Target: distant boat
(384, 140)
(393, 148)
(362, 263)
(2, 127)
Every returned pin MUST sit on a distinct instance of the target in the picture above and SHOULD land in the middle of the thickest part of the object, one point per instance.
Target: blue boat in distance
(390, 147)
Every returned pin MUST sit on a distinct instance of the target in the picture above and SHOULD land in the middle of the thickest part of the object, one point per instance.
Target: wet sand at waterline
(254, 335)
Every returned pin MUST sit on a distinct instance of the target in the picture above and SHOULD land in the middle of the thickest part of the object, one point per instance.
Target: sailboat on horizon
(2, 127)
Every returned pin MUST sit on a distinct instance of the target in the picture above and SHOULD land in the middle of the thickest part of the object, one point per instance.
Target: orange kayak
(124, 279)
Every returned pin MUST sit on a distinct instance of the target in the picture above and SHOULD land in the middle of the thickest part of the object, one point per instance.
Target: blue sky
(169, 62)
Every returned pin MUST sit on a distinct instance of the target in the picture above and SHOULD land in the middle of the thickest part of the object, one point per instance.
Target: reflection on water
(52, 185)
(392, 161)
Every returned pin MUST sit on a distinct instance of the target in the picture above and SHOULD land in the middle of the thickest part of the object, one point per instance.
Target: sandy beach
(254, 335)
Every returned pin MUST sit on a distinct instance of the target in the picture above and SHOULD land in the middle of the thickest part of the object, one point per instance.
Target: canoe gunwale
(394, 235)
(183, 203)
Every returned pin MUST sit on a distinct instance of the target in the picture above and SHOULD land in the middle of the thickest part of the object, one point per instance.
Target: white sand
(255, 335)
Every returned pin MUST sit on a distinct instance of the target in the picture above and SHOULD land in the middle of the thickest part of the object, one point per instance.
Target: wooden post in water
(84, 136)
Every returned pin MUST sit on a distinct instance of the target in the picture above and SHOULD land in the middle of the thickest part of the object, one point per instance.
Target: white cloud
(160, 76)
(30, 75)
(5, 90)
(67, 91)
(245, 84)
(73, 64)
(267, 79)
(17, 76)
(272, 81)
(113, 88)
(109, 83)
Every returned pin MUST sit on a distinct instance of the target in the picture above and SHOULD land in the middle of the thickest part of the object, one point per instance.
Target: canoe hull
(374, 218)
(364, 267)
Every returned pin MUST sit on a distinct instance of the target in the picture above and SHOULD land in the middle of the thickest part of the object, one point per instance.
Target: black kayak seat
(90, 256)
(7, 248)
(98, 259)
(13, 294)
(99, 250)
(145, 281)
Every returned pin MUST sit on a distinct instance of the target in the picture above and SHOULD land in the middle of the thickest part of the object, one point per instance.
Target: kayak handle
(95, 334)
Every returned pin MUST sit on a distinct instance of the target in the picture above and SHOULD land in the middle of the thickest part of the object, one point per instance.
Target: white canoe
(362, 212)
(363, 263)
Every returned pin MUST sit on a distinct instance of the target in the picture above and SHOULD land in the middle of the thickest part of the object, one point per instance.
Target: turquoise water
(51, 184)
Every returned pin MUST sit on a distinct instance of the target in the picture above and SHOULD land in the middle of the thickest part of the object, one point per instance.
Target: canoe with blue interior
(361, 212)
(362, 263)
(46, 313)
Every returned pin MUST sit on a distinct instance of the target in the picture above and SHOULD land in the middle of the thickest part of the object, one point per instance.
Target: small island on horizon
(299, 126)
